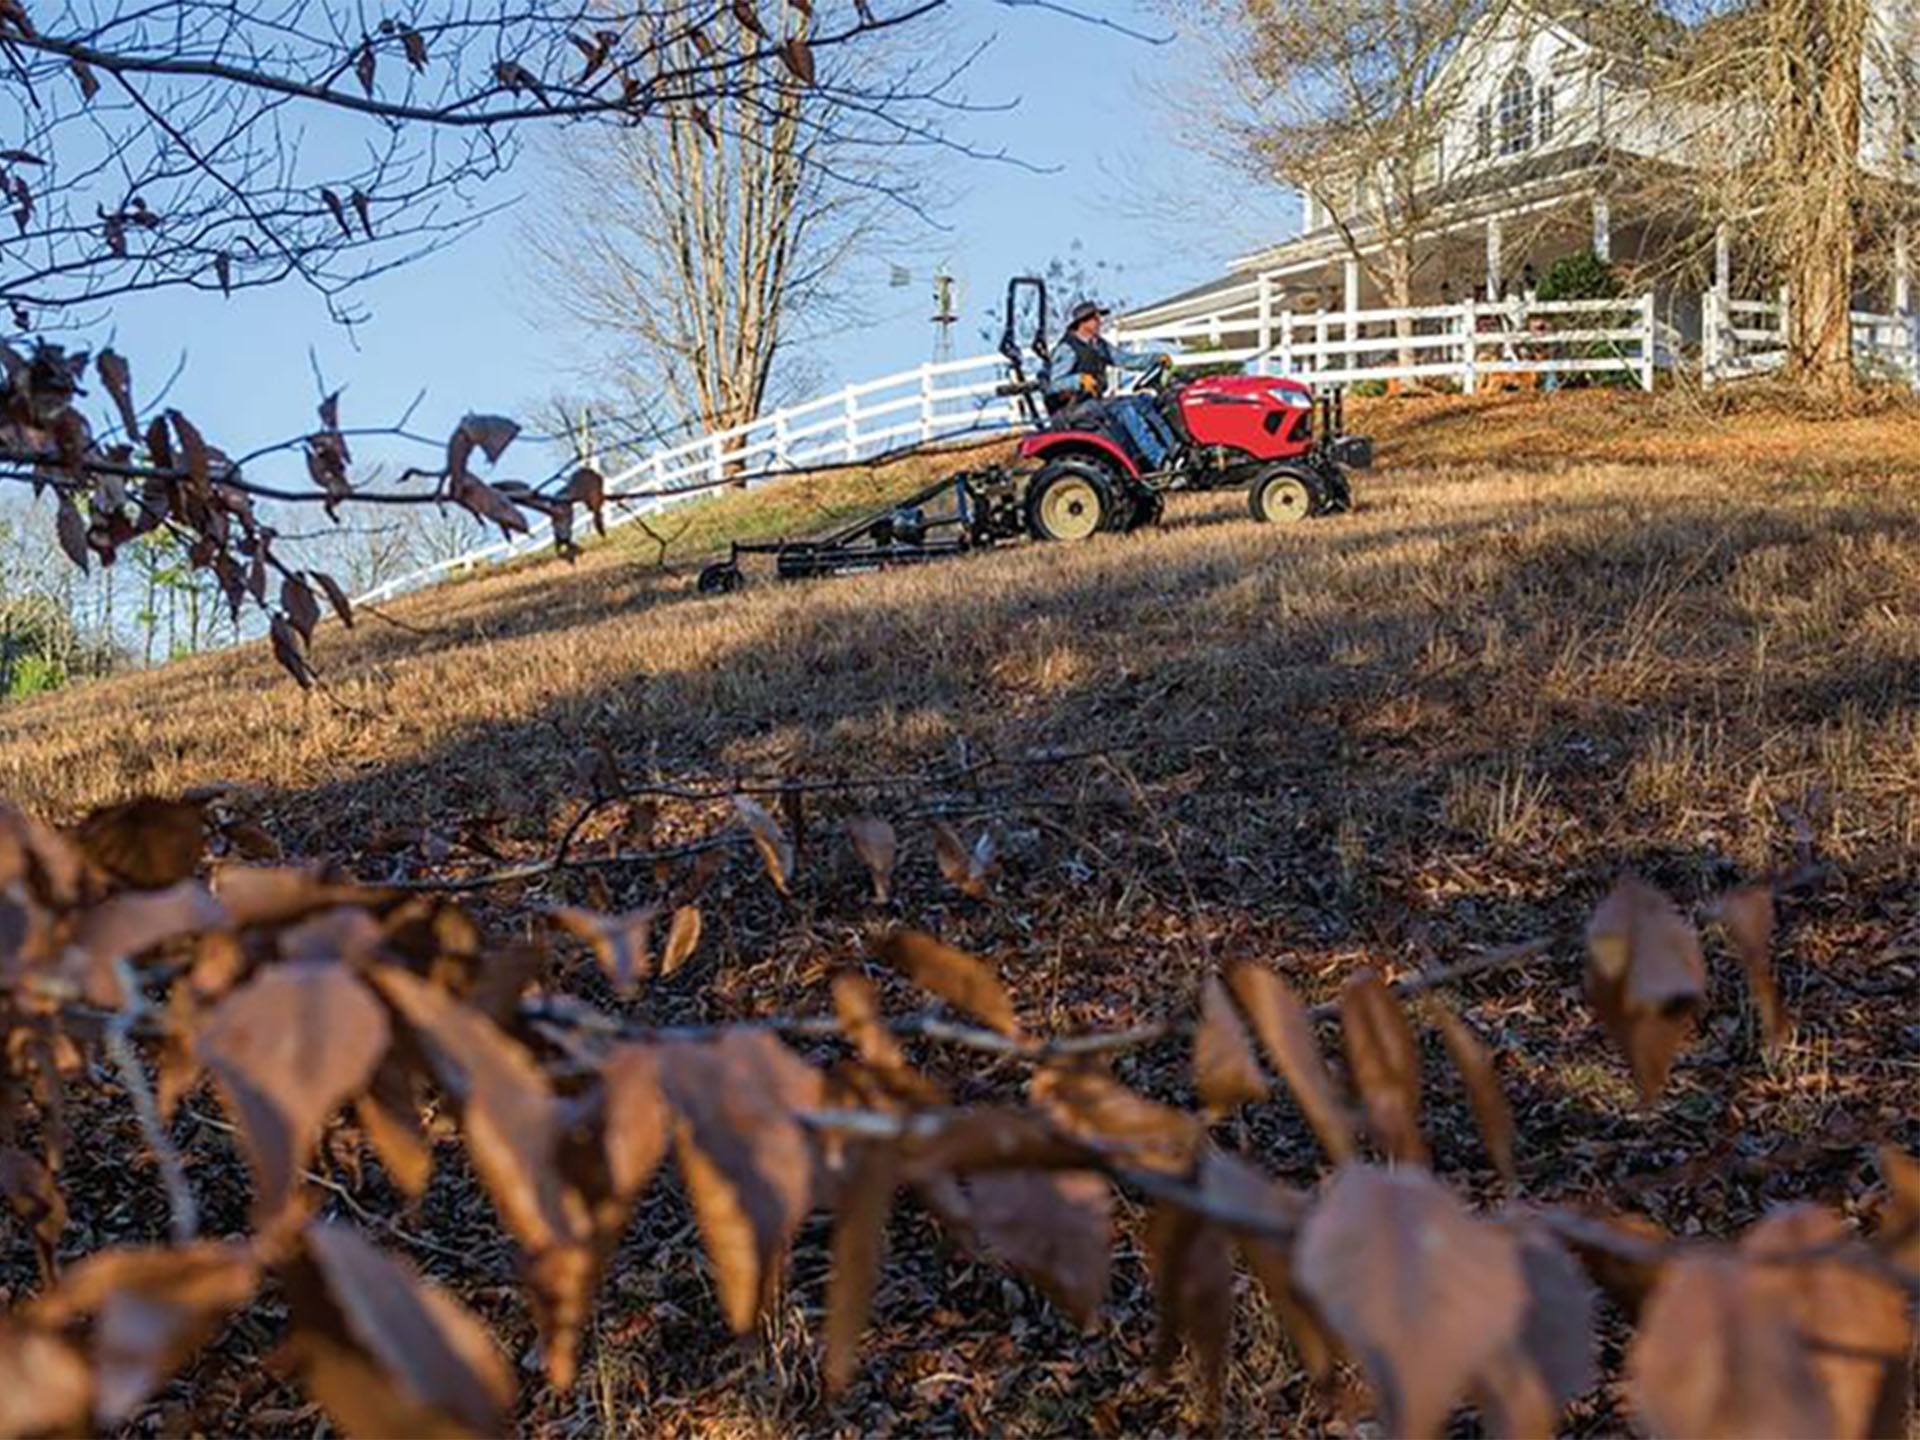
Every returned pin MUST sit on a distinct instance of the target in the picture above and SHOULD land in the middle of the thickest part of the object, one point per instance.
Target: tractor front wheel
(1070, 500)
(1281, 497)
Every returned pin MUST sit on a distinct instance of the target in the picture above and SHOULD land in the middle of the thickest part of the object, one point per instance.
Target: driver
(1077, 374)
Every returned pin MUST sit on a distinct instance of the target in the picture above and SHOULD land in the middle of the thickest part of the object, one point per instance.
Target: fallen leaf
(967, 868)
(683, 938)
(1747, 915)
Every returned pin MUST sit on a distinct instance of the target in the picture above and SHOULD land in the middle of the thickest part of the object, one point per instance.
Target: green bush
(1580, 276)
(34, 675)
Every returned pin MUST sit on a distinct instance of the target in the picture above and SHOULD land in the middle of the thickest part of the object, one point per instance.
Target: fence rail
(1471, 344)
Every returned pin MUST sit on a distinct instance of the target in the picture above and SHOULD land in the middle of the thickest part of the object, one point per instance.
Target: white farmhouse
(1560, 137)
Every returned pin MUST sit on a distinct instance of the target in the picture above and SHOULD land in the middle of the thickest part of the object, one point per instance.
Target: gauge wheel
(1282, 497)
(1070, 500)
(721, 579)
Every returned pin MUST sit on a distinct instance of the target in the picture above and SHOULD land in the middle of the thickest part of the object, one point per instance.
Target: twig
(180, 1203)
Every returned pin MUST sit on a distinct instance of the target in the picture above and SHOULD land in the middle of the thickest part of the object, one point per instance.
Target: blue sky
(458, 325)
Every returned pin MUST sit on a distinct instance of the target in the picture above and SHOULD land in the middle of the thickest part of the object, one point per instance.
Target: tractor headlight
(1291, 398)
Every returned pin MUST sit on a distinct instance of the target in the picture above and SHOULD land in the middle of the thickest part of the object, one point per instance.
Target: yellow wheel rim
(1070, 510)
(1287, 500)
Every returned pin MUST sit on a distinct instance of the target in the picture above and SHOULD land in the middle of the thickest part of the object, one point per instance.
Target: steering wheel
(1150, 381)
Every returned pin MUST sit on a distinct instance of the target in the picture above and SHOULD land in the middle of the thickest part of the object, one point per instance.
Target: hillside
(1560, 637)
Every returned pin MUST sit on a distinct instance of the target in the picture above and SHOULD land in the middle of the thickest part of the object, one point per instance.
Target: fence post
(1786, 331)
(1320, 343)
(780, 461)
(1709, 337)
(716, 468)
(1647, 340)
(1286, 342)
(1469, 345)
(926, 402)
(850, 408)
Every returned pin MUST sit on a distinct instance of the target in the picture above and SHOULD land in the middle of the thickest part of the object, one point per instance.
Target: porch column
(1350, 360)
(1494, 239)
(1602, 228)
(1902, 272)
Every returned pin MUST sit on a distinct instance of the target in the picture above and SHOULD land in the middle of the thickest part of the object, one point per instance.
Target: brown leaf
(967, 869)
(513, 1128)
(1225, 1073)
(683, 938)
(1645, 979)
(146, 843)
(859, 1243)
(1385, 1062)
(747, 1163)
(83, 72)
(288, 1048)
(492, 434)
(1192, 1263)
(622, 944)
(1898, 1235)
(1097, 1110)
(1747, 914)
(1718, 1353)
(639, 1125)
(415, 45)
(962, 980)
(70, 527)
(299, 606)
(1489, 1101)
(114, 374)
(288, 651)
(151, 1309)
(874, 842)
(797, 56)
(1053, 1226)
(589, 488)
(336, 597)
(1286, 1034)
(46, 1387)
(388, 1353)
(483, 500)
(1229, 1182)
(389, 1114)
(858, 1011)
(337, 210)
(1626, 1279)
(363, 67)
(275, 895)
(1854, 1323)
(745, 12)
(1525, 1387)
(1420, 1293)
(776, 851)
(130, 924)
(29, 1187)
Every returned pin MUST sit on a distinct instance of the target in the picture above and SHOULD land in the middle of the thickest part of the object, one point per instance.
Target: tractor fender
(1058, 444)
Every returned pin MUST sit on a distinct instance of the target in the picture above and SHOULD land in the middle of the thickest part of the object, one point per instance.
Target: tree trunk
(1818, 47)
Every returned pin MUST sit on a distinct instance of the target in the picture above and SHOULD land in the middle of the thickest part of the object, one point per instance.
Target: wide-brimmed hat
(1085, 310)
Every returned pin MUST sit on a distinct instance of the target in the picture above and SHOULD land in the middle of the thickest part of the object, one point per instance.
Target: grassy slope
(1557, 638)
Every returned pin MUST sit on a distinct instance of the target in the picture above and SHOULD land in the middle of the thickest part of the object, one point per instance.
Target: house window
(1516, 113)
(1546, 116)
(1483, 133)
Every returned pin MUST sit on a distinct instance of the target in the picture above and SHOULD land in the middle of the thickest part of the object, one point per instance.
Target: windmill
(946, 303)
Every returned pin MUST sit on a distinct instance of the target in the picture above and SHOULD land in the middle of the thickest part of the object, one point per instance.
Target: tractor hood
(1246, 388)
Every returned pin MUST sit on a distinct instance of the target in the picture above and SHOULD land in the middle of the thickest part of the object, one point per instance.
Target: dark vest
(1090, 357)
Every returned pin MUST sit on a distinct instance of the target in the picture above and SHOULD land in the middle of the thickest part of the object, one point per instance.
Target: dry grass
(1559, 636)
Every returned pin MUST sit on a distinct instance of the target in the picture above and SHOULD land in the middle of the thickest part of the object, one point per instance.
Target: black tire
(1284, 495)
(1072, 500)
(1148, 507)
(722, 578)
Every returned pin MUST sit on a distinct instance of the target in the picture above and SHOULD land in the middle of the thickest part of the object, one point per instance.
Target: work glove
(1162, 361)
(1090, 384)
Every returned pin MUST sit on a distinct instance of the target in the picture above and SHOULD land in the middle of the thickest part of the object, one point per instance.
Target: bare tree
(700, 251)
(1348, 102)
(159, 145)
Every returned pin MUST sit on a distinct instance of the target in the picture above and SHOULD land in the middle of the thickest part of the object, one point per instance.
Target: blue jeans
(1146, 427)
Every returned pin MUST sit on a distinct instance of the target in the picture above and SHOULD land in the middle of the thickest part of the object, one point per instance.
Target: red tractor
(1076, 474)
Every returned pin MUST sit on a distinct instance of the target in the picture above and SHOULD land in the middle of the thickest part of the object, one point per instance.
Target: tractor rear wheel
(1280, 497)
(1071, 500)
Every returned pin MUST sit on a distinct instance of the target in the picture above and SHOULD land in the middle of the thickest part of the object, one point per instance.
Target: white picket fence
(1740, 338)
(954, 401)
